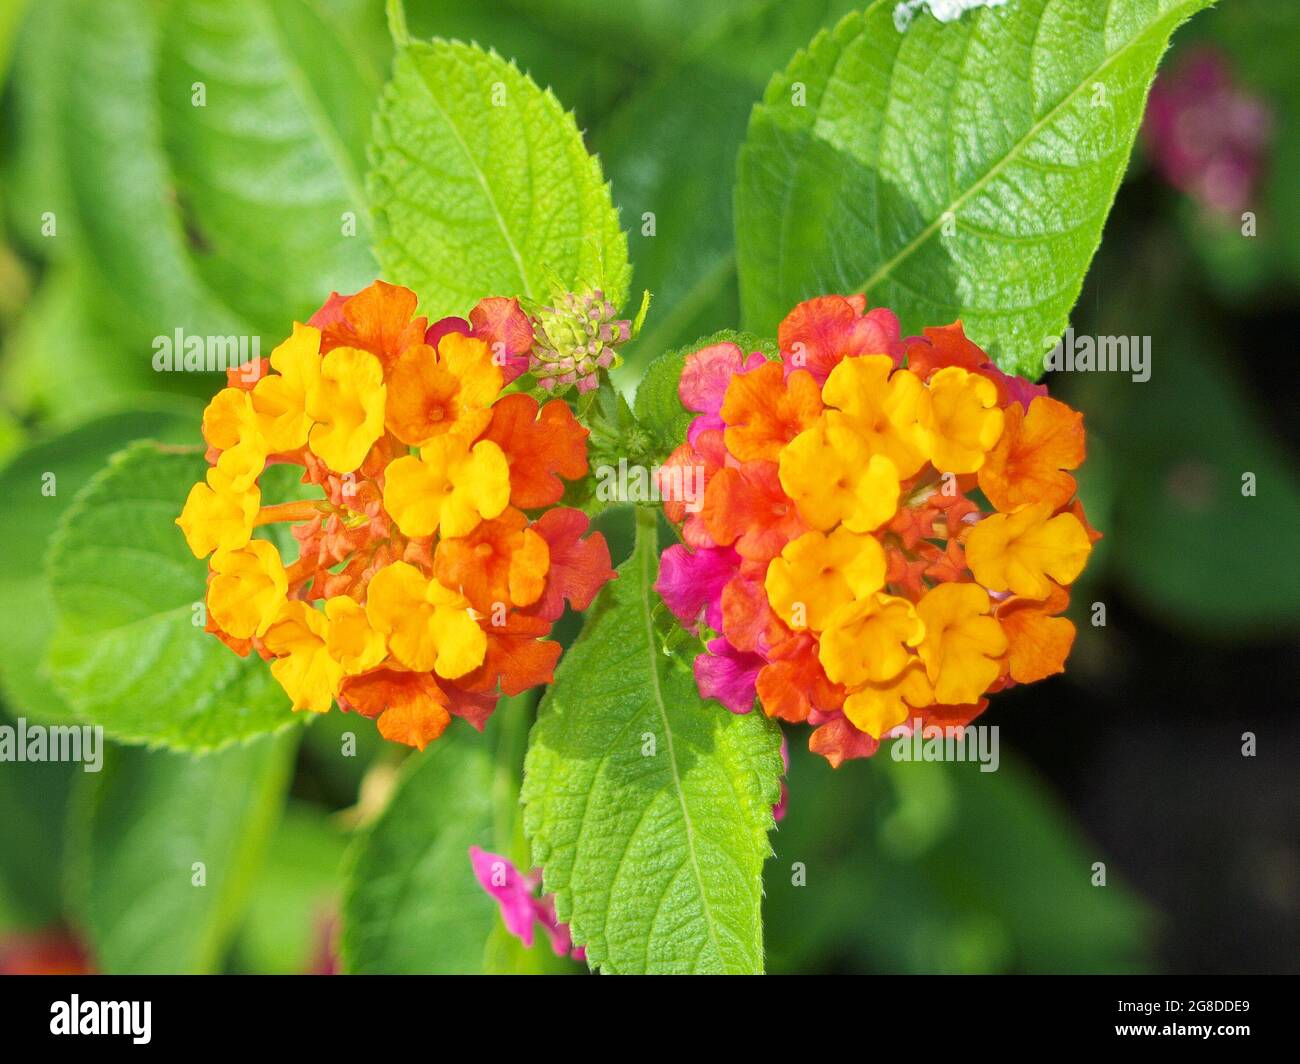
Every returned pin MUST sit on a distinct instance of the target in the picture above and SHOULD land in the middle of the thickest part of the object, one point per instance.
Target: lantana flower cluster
(434, 561)
(888, 530)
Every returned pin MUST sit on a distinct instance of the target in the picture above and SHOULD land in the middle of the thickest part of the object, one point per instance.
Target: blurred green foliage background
(1133, 759)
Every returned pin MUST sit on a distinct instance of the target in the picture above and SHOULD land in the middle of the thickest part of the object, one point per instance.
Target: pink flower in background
(325, 934)
(53, 951)
(516, 894)
(1205, 134)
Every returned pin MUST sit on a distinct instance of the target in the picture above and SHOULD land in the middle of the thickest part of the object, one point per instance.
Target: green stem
(515, 715)
(647, 528)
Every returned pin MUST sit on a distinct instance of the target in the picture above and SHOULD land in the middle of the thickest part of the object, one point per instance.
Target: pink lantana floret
(691, 582)
(704, 380)
(728, 674)
(521, 908)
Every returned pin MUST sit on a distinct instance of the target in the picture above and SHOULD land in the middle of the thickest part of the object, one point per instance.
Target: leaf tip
(397, 28)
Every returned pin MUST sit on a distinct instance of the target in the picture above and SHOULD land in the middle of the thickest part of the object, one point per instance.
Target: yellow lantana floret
(875, 708)
(449, 489)
(280, 399)
(870, 640)
(303, 664)
(427, 626)
(352, 640)
(962, 644)
(247, 589)
(960, 419)
(240, 466)
(1020, 551)
(833, 476)
(881, 405)
(346, 403)
(217, 515)
(230, 425)
(228, 418)
(818, 573)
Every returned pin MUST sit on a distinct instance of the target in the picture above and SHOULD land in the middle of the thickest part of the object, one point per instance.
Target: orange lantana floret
(449, 388)
(764, 410)
(540, 446)
(410, 707)
(1029, 463)
(500, 565)
(1038, 639)
(380, 319)
(745, 506)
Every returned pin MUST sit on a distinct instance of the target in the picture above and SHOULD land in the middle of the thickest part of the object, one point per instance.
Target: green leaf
(269, 165)
(669, 148)
(658, 407)
(481, 185)
(668, 143)
(10, 19)
(361, 23)
(744, 39)
(220, 219)
(127, 653)
(137, 831)
(29, 518)
(118, 172)
(960, 170)
(34, 795)
(655, 858)
(584, 70)
(31, 156)
(1188, 537)
(411, 901)
(66, 315)
(944, 868)
(294, 900)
